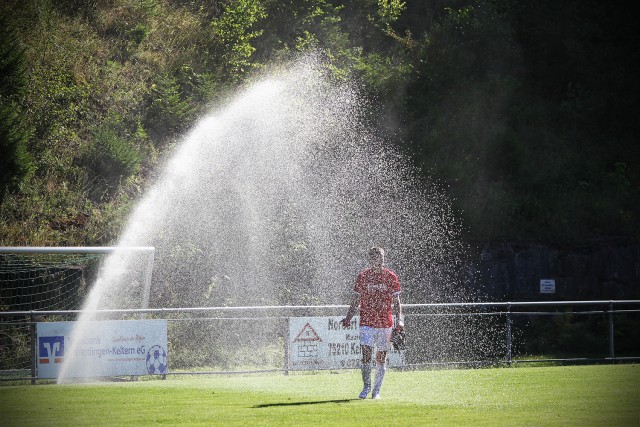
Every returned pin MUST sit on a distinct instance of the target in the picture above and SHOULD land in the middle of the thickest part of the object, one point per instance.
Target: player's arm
(355, 302)
(397, 309)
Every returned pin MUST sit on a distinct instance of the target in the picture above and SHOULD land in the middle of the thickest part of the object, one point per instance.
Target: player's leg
(366, 370)
(382, 344)
(381, 369)
(366, 346)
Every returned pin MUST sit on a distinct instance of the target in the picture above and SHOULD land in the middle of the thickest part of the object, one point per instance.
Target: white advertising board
(102, 348)
(323, 343)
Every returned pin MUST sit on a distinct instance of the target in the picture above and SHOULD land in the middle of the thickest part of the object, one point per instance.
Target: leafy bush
(233, 32)
(16, 164)
(169, 113)
(110, 158)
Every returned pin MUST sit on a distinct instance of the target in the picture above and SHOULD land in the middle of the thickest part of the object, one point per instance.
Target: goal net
(44, 284)
(44, 281)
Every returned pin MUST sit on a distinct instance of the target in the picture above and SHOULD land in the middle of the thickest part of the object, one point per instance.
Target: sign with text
(323, 343)
(547, 286)
(102, 348)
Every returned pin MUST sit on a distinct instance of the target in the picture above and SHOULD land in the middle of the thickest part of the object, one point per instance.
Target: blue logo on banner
(50, 349)
(157, 360)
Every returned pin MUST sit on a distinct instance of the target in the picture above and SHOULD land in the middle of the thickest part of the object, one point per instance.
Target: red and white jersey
(376, 290)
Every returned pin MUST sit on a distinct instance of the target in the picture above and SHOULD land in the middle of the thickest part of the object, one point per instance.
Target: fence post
(146, 285)
(34, 339)
(612, 353)
(508, 355)
(286, 345)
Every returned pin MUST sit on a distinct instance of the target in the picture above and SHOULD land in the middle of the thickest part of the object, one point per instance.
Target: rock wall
(512, 272)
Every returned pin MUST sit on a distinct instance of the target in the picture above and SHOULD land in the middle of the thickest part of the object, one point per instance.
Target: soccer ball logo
(157, 360)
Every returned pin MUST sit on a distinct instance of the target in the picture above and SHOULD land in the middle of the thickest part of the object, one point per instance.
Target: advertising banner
(323, 343)
(102, 348)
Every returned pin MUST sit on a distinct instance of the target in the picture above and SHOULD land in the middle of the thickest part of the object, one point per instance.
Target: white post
(148, 271)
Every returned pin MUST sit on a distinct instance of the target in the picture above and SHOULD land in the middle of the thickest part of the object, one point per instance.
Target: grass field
(607, 395)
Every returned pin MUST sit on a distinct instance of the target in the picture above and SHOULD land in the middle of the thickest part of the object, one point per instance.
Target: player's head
(376, 256)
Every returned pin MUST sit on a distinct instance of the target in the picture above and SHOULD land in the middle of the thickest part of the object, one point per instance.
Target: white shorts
(375, 337)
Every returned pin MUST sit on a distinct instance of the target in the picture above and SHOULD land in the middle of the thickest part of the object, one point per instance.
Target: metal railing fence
(214, 340)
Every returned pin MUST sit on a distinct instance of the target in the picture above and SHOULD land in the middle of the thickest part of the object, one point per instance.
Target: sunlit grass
(576, 395)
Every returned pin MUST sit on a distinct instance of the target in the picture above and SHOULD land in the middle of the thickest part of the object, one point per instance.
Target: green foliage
(458, 106)
(293, 26)
(198, 345)
(233, 32)
(199, 88)
(526, 110)
(576, 335)
(519, 152)
(15, 345)
(110, 158)
(16, 163)
(383, 74)
(169, 112)
(390, 10)
(12, 61)
(57, 102)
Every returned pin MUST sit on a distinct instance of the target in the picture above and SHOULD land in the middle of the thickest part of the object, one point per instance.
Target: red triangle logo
(307, 334)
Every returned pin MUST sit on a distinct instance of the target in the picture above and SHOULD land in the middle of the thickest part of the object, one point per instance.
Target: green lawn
(607, 395)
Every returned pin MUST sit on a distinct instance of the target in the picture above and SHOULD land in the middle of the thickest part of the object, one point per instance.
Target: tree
(15, 163)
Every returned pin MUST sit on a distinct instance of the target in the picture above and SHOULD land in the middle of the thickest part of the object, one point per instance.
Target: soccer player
(378, 297)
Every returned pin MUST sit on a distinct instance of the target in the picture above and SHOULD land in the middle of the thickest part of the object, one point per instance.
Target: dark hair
(376, 250)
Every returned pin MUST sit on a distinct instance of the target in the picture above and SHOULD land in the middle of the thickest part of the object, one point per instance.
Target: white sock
(381, 368)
